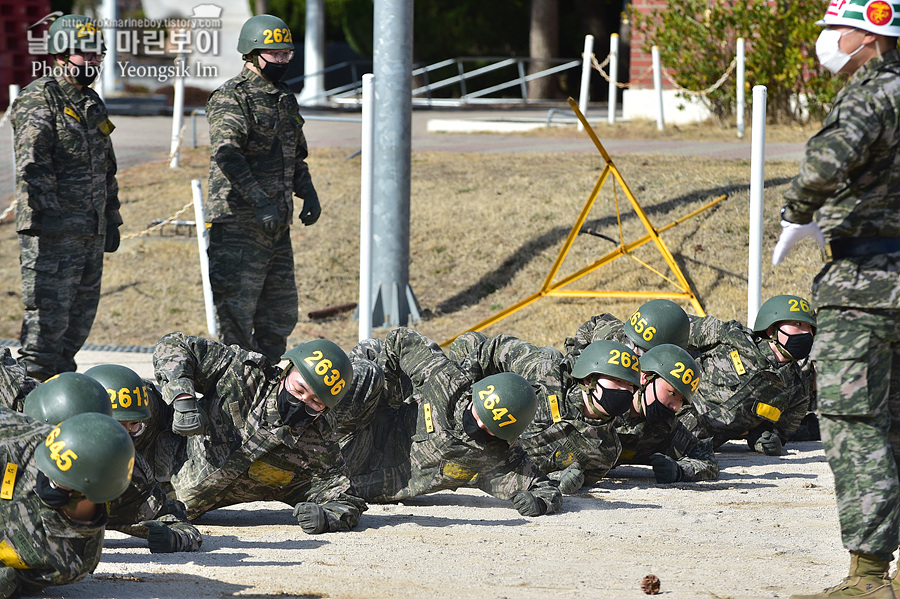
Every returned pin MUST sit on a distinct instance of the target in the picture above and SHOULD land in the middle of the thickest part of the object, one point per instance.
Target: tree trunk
(261, 6)
(543, 44)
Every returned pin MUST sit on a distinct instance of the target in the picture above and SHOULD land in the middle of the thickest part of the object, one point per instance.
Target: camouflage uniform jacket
(64, 158)
(597, 328)
(743, 386)
(560, 433)
(15, 384)
(248, 453)
(641, 439)
(258, 149)
(43, 545)
(428, 428)
(850, 180)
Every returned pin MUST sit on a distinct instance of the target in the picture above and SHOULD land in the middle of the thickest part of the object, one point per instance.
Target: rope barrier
(160, 224)
(599, 67)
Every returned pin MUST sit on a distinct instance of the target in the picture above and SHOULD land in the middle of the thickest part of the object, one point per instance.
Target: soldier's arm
(519, 473)
(302, 179)
(186, 364)
(112, 189)
(706, 332)
(331, 491)
(34, 131)
(597, 328)
(697, 457)
(228, 131)
(408, 352)
(484, 356)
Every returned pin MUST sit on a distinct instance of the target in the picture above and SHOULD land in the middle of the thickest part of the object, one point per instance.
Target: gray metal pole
(314, 53)
(395, 304)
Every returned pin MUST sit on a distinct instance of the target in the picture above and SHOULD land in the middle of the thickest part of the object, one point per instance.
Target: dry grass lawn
(484, 233)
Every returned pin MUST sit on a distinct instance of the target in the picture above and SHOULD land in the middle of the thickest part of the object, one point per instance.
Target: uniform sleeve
(228, 131)
(706, 332)
(331, 491)
(302, 179)
(598, 328)
(408, 352)
(519, 473)
(696, 457)
(112, 189)
(34, 130)
(482, 356)
(186, 364)
(840, 147)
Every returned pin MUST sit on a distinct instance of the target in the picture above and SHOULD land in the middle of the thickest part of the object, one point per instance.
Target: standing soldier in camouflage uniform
(258, 161)
(849, 181)
(15, 384)
(434, 429)
(752, 386)
(260, 433)
(143, 510)
(651, 434)
(572, 438)
(67, 211)
(56, 479)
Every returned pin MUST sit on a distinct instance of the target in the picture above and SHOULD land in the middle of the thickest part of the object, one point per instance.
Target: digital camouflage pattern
(850, 180)
(64, 164)
(258, 157)
(415, 443)
(44, 546)
(641, 439)
(248, 453)
(15, 383)
(597, 328)
(744, 387)
(560, 433)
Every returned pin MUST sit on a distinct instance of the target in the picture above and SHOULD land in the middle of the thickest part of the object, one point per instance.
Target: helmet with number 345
(324, 367)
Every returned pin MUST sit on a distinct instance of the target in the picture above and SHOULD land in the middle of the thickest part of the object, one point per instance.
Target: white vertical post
(757, 181)
(657, 85)
(203, 245)
(108, 83)
(314, 54)
(741, 64)
(13, 94)
(177, 112)
(365, 211)
(613, 76)
(585, 92)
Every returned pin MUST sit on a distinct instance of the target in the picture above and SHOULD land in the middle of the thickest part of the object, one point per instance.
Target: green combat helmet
(90, 453)
(658, 321)
(505, 403)
(783, 307)
(264, 32)
(325, 368)
(71, 33)
(609, 358)
(675, 366)
(126, 391)
(64, 396)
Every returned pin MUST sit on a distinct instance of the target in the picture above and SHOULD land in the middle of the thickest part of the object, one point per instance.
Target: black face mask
(274, 71)
(475, 432)
(50, 494)
(798, 346)
(293, 412)
(656, 411)
(83, 74)
(615, 402)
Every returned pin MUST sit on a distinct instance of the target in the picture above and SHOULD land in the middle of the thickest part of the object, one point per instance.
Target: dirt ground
(766, 528)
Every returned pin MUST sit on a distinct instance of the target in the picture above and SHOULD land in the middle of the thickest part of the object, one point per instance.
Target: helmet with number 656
(658, 321)
(126, 390)
(324, 367)
(64, 396)
(505, 404)
(90, 453)
(675, 366)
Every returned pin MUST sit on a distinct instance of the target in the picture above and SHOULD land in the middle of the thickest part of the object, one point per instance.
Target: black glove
(8, 582)
(189, 418)
(160, 537)
(571, 479)
(311, 210)
(665, 469)
(112, 238)
(51, 222)
(267, 217)
(311, 517)
(768, 443)
(529, 504)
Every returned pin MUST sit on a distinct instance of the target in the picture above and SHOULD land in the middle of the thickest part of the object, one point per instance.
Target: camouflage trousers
(252, 280)
(857, 354)
(60, 289)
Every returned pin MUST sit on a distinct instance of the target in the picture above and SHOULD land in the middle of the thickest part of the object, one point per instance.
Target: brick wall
(640, 75)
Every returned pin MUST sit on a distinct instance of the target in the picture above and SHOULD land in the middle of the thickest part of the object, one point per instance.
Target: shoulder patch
(736, 360)
(9, 481)
(72, 114)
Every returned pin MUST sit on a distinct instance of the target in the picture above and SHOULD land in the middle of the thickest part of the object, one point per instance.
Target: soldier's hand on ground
(791, 233)
(665, 469)
(311, 517)
(160, 537)
(51, 223)
(571, 479)
(311, 210)
(112, 238)
(768, 443)
(267, 217)
(189, 418)
(8, 582)
(529, 504)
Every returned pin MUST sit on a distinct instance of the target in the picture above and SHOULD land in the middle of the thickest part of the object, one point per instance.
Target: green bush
(697, 42)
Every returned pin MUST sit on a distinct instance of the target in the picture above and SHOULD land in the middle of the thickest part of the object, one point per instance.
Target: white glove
(791, 233)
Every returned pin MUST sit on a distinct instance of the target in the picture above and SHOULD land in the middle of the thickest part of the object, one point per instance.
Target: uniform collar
(259, 82)
(871, 68)
(69, 90)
